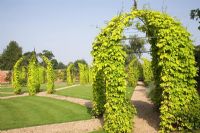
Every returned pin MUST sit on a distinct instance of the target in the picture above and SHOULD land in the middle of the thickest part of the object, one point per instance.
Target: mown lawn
(34, 110)
(82, 91)
(85, 92)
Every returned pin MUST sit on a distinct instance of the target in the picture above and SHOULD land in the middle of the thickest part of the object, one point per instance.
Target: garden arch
(173, 68)
(32, 68)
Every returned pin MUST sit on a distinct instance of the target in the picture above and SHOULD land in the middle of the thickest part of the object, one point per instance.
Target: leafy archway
(33, 75)
(70, 74)
(173, 69)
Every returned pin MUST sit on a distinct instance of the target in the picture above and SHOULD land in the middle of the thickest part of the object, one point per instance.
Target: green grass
(98, 131)
(24, 89)
(34, 110)
(85, 92)
(82, 91)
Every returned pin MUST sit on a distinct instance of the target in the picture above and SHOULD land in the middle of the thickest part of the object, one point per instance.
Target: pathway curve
(147, 119)
(63, 88)
(69, 127)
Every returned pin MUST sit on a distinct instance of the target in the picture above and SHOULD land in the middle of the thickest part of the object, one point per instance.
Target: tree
(10, 56)
(61, 66)
(54, 63)
(76, 67)
(48, 54)
(134, 48)
(195, 15)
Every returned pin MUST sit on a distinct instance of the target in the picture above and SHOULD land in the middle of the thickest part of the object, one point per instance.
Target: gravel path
(69, 127)
(6, 92)
(58, 89)
(14, 96)
(147, 119)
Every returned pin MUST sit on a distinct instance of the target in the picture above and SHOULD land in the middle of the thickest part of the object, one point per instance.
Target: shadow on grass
(89, 110)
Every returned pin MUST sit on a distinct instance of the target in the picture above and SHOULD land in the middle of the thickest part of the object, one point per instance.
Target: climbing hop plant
(133, 72)
(49, 75)
(70, 75)
(90, 75)
(41, 71)
(147, 71)
(173, 69)
(33, 79)
(110, 78)
(83, 73)
(16, 76)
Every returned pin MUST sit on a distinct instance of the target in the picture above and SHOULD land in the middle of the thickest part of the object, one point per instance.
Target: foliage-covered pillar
(83, 73)
(109, 60)
(174, 71)
(41, 70)
(16, 76)
(133, 72)
(70, 76)
(49, 75)
(33, 79)
(147, 71)
(90, 76)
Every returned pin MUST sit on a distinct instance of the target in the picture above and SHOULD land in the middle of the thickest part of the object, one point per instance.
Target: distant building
(4, 76)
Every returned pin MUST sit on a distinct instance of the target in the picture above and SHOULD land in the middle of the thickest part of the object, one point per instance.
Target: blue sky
(68, 27)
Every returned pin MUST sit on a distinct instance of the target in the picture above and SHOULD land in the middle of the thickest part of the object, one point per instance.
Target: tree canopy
(195, 15)
(10, 56)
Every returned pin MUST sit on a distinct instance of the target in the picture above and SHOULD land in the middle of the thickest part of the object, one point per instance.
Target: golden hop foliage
(173, 69)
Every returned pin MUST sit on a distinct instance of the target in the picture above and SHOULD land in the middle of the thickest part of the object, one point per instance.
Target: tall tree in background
(10, 56)
(195, 15)
(61, 66)
(76, 67)
(135, 47)
(48, 54)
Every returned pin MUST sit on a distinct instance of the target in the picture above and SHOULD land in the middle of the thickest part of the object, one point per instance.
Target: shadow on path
(147, 118)
(147, 112)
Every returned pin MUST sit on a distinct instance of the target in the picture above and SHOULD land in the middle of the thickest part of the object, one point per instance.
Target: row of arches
(32, 72)
(173, 69)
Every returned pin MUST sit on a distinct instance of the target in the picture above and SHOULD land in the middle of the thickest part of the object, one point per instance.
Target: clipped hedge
(173, 69)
